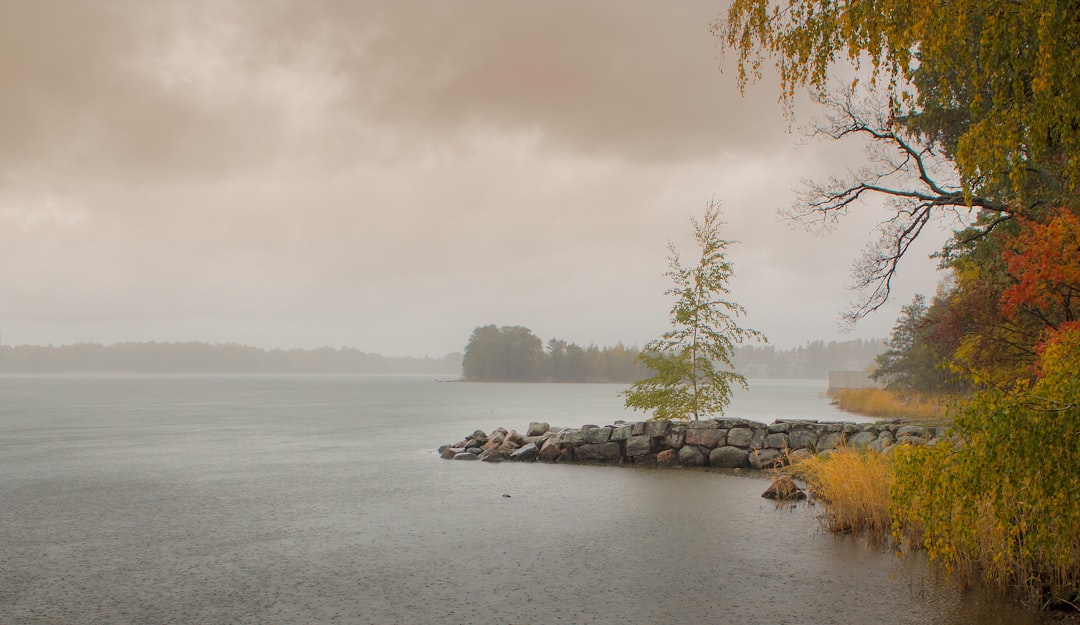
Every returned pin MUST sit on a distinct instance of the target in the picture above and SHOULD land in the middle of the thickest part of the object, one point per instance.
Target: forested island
(196, 357)
(515, 354)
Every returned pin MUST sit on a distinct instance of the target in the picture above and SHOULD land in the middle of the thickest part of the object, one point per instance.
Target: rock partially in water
(729, 457)
(784, 488)
(550, 451)
(691, 456)
(764, 458)
(638, 446)
(526, 453)
(602, 452)
(465, 455)
(667, 458)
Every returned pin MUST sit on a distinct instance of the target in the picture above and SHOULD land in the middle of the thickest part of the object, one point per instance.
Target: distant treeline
(813, 360)
(515, 354)
(211, 358)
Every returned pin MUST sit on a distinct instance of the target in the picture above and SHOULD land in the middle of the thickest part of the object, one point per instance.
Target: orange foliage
(1044, 260)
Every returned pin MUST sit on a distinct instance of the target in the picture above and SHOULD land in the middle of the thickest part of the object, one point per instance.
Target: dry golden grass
(854, 486)
(885, 404)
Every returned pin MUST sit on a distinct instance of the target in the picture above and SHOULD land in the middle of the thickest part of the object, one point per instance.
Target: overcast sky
(390, 175)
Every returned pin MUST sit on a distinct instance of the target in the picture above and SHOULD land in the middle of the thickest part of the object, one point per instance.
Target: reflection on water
(320, 499)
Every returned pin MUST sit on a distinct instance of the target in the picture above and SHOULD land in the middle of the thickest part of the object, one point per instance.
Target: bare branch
(919, 181)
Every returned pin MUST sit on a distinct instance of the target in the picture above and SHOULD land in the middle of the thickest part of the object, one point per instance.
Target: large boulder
(740, 437)
(691, 456)
(598, 452)
(491, 455)
(708, 436)
(657, 428)
(527, 453)
(778, 440)
(729, 457)
(621, 432)
(802, 438)
(832, 440)
(595, 436)
(571, 437)
(667, 458)
(537, 428)
(862, 440)
(764, 458)
(550, 451)
(638, 445)
(465, 455)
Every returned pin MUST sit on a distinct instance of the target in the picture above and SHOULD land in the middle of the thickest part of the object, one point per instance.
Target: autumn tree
(691, 363)
(979, 107)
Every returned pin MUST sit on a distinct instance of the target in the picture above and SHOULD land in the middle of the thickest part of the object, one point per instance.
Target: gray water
(293, 499)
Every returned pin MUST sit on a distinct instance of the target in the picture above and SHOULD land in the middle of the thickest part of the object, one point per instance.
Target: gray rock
(466, 456)
(526, 453)
(862, 440)
(657, 428)
(779, 427)
(536, 428)
(691, 456)
(638, 445)
(572, 437)
(758, 442)
(802, 438)
(675, 439)
(740, 437)
(778, 440)
(764, 458)
(600, 452)
(621, 432)
(704, 436)
(832, 440)
(911, 430)
(729, 457)
(904, 439)
(595, 436)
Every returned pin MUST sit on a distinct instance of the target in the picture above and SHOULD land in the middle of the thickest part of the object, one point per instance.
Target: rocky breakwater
(722, 443)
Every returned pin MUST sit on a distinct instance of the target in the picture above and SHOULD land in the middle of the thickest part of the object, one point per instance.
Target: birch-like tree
(691, 363)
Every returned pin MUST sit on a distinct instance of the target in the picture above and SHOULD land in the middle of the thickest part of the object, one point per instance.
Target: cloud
(387, 174)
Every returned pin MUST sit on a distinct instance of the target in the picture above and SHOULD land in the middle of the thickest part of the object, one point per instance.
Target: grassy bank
(886, 404)
(979, 527)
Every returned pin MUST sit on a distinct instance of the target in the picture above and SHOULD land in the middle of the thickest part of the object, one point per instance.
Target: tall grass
(854, 485)
(887, 404)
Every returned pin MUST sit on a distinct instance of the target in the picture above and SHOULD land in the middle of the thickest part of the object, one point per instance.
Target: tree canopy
(995, 83)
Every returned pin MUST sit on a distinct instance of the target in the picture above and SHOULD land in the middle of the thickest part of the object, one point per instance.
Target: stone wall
(725, 443)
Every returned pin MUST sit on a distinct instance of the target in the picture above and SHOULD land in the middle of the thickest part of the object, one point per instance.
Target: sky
(390, 175)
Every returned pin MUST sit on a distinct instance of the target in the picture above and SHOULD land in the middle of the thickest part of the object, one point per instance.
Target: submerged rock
(784, 488)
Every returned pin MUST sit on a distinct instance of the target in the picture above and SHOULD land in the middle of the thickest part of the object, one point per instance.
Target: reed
(854, 485)
(888, 404)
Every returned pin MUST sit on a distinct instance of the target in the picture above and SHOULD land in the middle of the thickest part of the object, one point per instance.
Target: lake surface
(296, 499)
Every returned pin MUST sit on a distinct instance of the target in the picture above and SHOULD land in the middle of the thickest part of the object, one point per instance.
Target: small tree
(692, 361)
